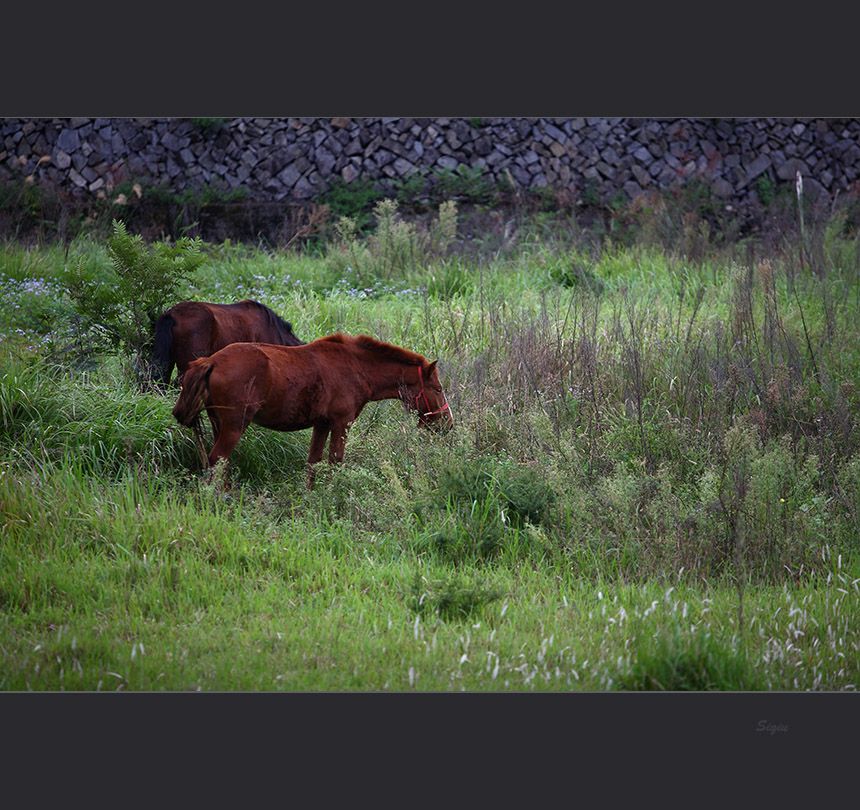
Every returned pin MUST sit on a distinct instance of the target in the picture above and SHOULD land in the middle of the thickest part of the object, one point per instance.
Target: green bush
(118, 305)
(696, 663)
(480, 509)
(465, 183)
(354, 200)
(452, 597)
(395, 249)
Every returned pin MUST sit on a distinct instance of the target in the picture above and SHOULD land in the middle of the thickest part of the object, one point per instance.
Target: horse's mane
(386, 350)
(283, 327)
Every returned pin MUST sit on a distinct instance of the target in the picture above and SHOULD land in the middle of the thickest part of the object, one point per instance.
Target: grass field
(653, 481)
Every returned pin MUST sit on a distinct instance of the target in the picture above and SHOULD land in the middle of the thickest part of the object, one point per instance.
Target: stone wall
(294, 159)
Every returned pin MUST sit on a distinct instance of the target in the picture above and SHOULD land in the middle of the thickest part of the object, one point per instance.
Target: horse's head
(428, 398)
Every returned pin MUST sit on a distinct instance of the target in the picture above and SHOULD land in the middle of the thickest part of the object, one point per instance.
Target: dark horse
(321, 385)
(193, 329)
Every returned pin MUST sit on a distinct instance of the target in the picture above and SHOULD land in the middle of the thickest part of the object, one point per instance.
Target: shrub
(396, 248)
(119, 305)
(694, 663)
(480, 509)
(353, 200)
(469, 184)
(451, 597)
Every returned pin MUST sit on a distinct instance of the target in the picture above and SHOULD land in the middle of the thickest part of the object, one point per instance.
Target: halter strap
(422, 395)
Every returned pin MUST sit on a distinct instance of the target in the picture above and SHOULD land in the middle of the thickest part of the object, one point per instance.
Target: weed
(696, 663)
(466, 184)
(451, 598)
(121, 305)
(210, 126)
(354, 200)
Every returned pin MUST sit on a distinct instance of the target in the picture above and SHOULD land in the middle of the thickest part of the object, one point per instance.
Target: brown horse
(194, 329)
(321, 385)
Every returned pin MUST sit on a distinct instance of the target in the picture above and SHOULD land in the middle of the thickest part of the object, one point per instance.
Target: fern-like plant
(118, 306)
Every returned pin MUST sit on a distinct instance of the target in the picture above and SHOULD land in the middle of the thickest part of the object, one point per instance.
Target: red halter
(422, 395)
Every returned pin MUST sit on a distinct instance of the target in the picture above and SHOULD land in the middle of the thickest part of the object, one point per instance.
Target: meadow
(653, 481)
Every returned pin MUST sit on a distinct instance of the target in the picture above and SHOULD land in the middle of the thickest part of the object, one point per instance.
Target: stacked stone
(294, 159)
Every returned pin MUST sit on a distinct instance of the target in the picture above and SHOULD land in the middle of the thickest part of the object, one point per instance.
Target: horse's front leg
(227, 429)
(337, 445)
(318, 439)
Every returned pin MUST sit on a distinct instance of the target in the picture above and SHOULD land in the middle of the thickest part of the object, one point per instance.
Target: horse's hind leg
(224, 446)
(226, 432)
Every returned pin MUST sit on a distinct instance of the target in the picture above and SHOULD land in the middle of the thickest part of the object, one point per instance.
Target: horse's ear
(431, 367)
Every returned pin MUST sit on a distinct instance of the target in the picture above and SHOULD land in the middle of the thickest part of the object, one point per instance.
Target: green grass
(653, 483)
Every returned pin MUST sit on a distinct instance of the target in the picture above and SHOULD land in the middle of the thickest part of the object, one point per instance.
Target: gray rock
(354, 147)
(789, 169)
(851, 154)
(403, 167)
(722, 187)
(325, 161)
(606, 170)
(290, 175)
(642, 155)
(69, 141)
(554, 133)
(303, 189)
(632, 189)
(641, 175)
(170, 141)
(814, 190)
(757, 166)
(520, 175)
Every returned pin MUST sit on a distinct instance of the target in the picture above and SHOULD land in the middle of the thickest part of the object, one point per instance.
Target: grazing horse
(321, 385)
(194, 329)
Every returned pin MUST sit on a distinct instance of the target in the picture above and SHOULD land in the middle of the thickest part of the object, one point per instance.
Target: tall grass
(654, 482)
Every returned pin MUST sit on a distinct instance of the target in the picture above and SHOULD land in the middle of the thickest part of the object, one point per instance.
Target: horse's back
(202, 328)
(249, 356)
(239, 371)
(250, 322)
(279, 387)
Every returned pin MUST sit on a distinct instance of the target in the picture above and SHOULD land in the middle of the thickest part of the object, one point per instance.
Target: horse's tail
(162, 353)
(195, 388)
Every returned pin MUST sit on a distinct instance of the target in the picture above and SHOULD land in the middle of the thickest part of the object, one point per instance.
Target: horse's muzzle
(440, 421)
